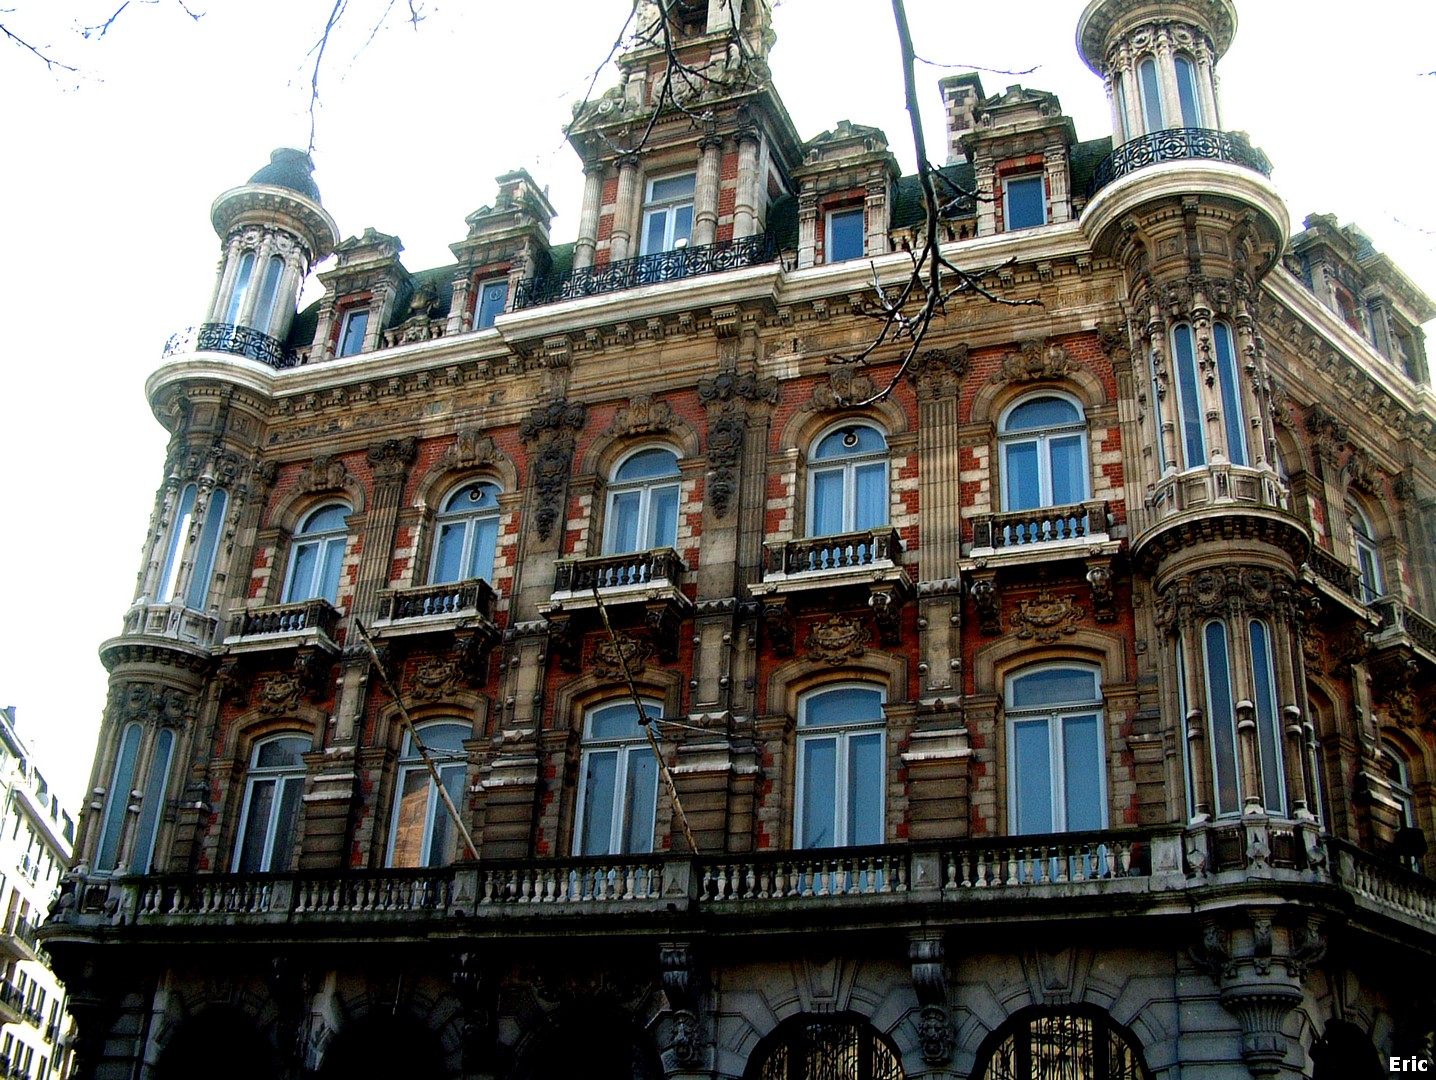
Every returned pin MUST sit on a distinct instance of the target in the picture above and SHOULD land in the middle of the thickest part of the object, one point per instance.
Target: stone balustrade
(1086, 521)
(823, 554)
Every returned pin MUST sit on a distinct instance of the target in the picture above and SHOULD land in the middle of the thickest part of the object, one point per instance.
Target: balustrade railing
(1333, 571)
(646, 270)
(572, 881)
(173, 620)
(472, 597)
(238, 340)
(1397, 618)
(1384, 884)
(1062, 859)
(775, 876)
(276, 619)
(1177, 144)
(1045, 525)
(1215, 485)
(391, 892)
(845, 551)
(656, 566)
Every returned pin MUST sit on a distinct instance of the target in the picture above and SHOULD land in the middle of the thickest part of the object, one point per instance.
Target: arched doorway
(1074, 1043)
(841, 1047)
(190, 1052)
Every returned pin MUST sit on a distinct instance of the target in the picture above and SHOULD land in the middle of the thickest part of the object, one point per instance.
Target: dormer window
(846, 235)
(351, 338)
(493, 296)
(1024, 201)
(668, 213)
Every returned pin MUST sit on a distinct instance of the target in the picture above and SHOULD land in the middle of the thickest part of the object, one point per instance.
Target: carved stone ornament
(886, 605)
(1035, 360)
(612, 655)
(936, 1035)
(1046, 618)
(687, 1044)
(1363, 474)
(552, 429)
(157, 706)
(643, 415)
(391, 458)
(1104, 607)
(1114, 340)
(779, 626)
(939, 371)
(846, 384)
(729, 386)
(725, 448)
(325, 473)
(837, 640)
(435, 678)
(984, 599)
(558, 417)
(278, 693)
(1233, 590)
(1328, 434)
(471, 449)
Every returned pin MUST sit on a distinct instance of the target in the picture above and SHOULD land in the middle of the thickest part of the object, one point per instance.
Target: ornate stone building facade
(1061, 694)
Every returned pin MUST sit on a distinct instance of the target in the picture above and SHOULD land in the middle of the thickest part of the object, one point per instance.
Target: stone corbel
(680, 987)
(564, 640)
(664, 626)
(779, 625)
(1099, 577)
(937, 1036)
(886, 602)
(985, 599)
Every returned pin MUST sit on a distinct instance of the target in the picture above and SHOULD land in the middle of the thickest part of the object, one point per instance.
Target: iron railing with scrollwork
(647, 270)
(1177, 144)
(239, 340)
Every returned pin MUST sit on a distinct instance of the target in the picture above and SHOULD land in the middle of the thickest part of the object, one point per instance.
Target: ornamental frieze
(1035, 360)
(146, 703)
(1233, 590)
(643, 415)
(938, 371)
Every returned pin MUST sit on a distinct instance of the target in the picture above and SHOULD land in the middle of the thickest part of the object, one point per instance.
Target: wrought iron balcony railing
(472, 597)
(1177, 144)
(658, 566)
(1048, 525)
(646, 270)
(846, 551)
(286, 619)
(239, 340)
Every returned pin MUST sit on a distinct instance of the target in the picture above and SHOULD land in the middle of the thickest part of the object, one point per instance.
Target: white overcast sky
(108, 176)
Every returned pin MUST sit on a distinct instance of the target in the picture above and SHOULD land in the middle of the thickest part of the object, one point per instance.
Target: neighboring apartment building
(36, 836)
(1064, 711)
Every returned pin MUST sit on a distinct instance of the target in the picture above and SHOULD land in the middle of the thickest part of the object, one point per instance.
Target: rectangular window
(1024, 201)
(493, 295)
(668, 214)
(351, 340)
(846, 235)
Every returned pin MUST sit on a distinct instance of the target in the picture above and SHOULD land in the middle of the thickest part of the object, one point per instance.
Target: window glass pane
(472, 497)
(442, 832)
(241, 287)
(620, 721)
(655, 230)
(865, 788)
(153, 804)
(827, 503)
(844, 705)
(326, 519)
(663, 509)
(333, 552)
(641, 799)
(278, 753)
(673, 187)
(208, 544)
(179, 533)
(1042, 413)
(622, 531)
(1033, 775)
(1052, 686)
(449, 558)
(1268, 732)
(268, 292)
(846, 442)
(1022, 481)
(600, 788)
(1187, 92)
(448, 737)
(301, 574)
(1219, 705)
(492, 298)
(1026, 202)
(845, 235)
(819, 793)
(646, 464)
(1069, 470)
(286, 824)
(1189, 397)
(256, 826)
(871, 507)
(682, 224)
(1083, 773)
(486, 540)
(355, 324)
(410, 817)
(1151, 96)
(1231, 395)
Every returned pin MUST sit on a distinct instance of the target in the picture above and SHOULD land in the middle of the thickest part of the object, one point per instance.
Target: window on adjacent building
(1191, 414)
(1024, 201)
(1187, 94)
(1369, 582)
(351, 337)
(1056, 774)
(468, 534)
(117, 799)
(1044, 453)
(668, 213)
(493, 295)
(318, 556)
(846, 235)
(848, 481)
(270, 820)
(643, 503)
(618, 793)
(1152, 118)
(841, 764)
(423, 833)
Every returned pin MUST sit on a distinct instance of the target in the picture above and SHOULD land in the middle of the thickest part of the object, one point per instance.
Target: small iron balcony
(240, 340)
(646, 270)
(1177, 144)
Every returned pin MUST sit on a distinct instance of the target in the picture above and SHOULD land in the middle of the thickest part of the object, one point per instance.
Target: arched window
(468, 534)
(153, 802)
(122, 782)
(268, 294)
(618, 793)
(1044, 453)
(1152, 119)
(643, 503)
(1070, 1043)
(1056, 776)
(184, 516)
(1187, 94)
(825, 1047)
(423, 833)
(318, 555)
(199, 582)
(841, 766)
(241, 288)
(848, 481)
(1410, 844)
(270, 820)
(1369, 579)
(1191, 413)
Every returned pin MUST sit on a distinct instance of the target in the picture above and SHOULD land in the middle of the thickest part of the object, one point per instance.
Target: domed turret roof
(289, 168)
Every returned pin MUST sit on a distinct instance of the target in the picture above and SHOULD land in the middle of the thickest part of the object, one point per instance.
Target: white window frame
(842, 734)
(471, 521)
(1040, 179)
(849, 466)
(1043, 438)
(480, 309)
(331, 543)
(858, 212)
(349, 318)
(1053, 715)
(668, 208)
(411, 763)
(1370, 578)
(622, 748)
(283, 777)
(646, 487)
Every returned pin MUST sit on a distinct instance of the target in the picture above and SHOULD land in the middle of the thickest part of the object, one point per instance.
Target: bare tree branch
(38, 51)
(977, 67)
(99, 30)
(318, 53)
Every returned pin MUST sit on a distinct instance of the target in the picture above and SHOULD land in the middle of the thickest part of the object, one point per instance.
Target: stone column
(1207, 88)
(875, 217)
(389, 462)
(256, 280)
(745, 213)
(626, 215)
(1167, 77)
(807, 229)
(1059, 192)
(705, 196)
(587, 241)
(459, 319)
